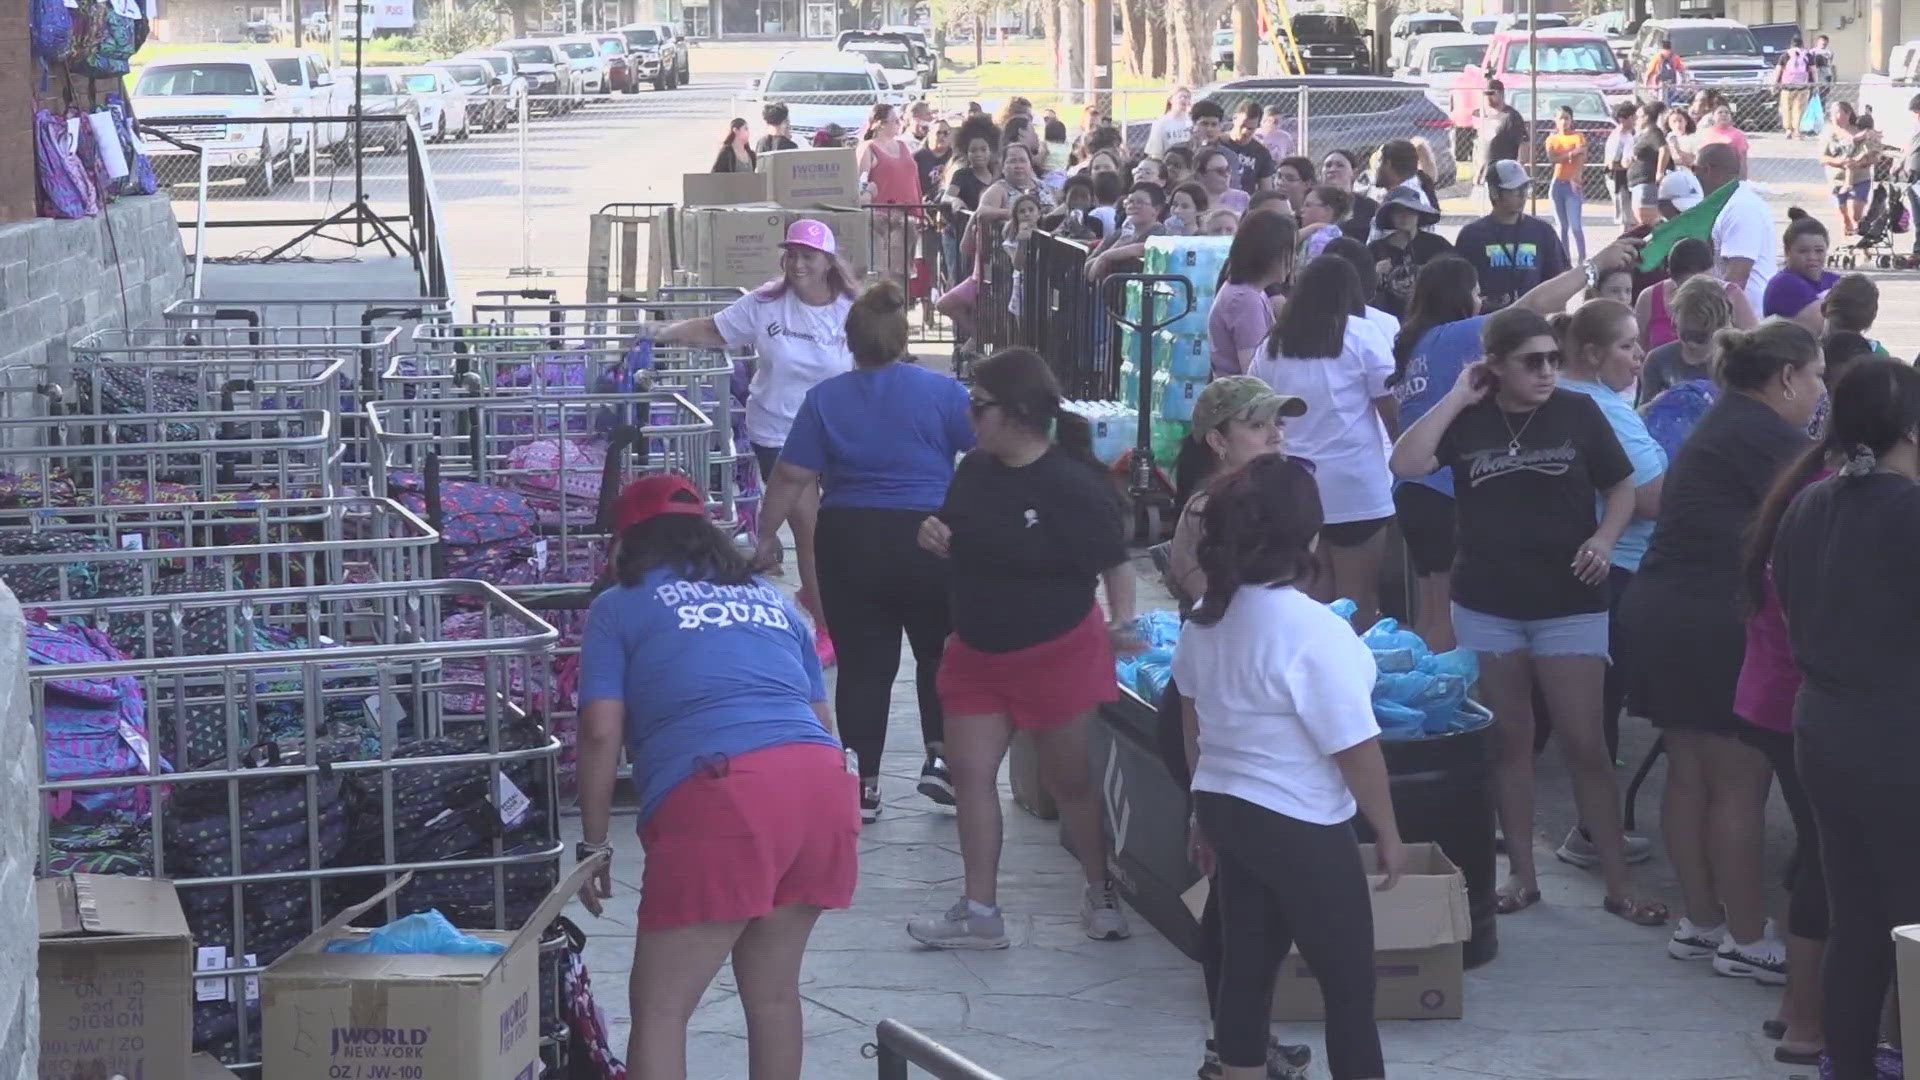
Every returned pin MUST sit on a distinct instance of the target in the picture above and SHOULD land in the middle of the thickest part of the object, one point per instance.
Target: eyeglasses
(978, 406)
(1538, 361)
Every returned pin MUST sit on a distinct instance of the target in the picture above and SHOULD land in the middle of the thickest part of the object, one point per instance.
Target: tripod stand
(368, 227)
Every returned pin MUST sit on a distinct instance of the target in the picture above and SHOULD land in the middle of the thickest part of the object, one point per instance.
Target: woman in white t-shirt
(1280, 736)
(1323, 351)
(797, 326)
(1172, 127)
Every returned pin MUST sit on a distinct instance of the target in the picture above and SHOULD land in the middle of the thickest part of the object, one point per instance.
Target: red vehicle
(1570, 59)
(613, 52)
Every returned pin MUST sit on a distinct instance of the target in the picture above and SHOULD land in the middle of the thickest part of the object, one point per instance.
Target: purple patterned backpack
(65, 189)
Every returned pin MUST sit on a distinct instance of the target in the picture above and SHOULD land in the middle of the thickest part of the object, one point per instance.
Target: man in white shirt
(1744, 241)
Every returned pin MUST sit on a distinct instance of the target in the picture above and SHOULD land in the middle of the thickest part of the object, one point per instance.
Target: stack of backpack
(82, 162)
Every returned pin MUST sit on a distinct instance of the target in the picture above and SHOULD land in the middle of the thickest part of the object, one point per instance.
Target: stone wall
(19, 825)
(61, 280)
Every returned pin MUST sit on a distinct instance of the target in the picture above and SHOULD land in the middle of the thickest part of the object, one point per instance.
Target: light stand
(368, 227)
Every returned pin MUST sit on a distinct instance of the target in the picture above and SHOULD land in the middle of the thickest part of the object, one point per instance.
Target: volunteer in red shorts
(1033, 525)
(708, 677)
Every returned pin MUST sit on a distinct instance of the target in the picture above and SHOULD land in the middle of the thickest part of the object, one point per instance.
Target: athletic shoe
(935, 784)
(1285, 1061)
(1764, 961)
(869, 799)
(1690, 942)
(822, 644)
(1100, 913)
(960, 928)
(1579, 850)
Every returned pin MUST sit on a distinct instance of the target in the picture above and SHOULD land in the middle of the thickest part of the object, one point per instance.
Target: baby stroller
(1886, 216)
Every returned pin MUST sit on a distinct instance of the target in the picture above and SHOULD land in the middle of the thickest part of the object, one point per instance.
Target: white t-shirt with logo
(1341, 433)
(1279, 685)
(799, 344)
(1744, 230)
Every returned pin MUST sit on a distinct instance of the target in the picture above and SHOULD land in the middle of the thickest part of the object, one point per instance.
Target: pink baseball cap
(807, 232)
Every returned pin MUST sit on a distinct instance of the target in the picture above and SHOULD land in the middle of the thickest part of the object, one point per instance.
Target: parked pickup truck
(1570, 59)
(313, 90)
(190, 96)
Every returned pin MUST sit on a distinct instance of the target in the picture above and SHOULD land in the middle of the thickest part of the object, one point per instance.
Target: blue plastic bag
(1399, 721)
(428, 932)
(1394, 649)
(1151, 678)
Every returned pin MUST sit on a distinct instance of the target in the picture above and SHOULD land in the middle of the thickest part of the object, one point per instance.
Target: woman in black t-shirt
(1033, 527)
(1643, 175)
(1529, 582)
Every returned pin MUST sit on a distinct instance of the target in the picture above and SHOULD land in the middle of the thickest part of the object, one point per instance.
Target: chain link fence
(520, 191)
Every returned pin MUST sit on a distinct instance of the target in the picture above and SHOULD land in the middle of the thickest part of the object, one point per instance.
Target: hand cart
(1152, 496)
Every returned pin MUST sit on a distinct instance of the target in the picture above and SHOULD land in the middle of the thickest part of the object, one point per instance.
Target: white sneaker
(1100, 913)
(1764, 961)
(1690, 942)
(1578, 850)
(960, 928)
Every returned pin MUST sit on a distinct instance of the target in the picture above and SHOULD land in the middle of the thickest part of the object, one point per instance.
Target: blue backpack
(52, 33)
(1671, 416)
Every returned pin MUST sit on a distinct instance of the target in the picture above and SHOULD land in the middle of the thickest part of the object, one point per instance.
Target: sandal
(1509, 902)
(1789, 1054)
(1653, 913)
(1774, 1029)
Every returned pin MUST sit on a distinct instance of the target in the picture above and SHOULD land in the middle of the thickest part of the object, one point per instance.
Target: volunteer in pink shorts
(706, 674)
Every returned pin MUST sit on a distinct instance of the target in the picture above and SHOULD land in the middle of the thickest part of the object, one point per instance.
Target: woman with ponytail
(1032, 526)
(1685, 636)
(1846, 567)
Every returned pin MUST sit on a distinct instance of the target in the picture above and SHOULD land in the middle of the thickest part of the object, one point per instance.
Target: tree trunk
(1157, 59)
(1073, 37)
(1246, 37)
(979, 41)
(1133, 35)
(1050, 32)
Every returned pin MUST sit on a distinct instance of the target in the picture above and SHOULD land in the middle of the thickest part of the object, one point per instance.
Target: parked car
(822, 87)
(443, 103)
(583, 56)
(659, 53)
(1223, 48)
(188, 97)
(384, 96)
(1332, 45)
(550, 79)
(613, 50)
(1436, 61)
(1721, 54)
(1520, 20)
(319, 26)
(503, 66)
(1483, 24)
(1776, 38)
(1348, 112)
(1411, 27)
(264, 30)
(311, 90)
(930, 64)
(1592, 117)
(915, 42)
(1569, 59)
(894, 57)
(489, 102)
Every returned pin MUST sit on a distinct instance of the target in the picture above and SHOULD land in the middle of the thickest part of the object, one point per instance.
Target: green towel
(1697, 222)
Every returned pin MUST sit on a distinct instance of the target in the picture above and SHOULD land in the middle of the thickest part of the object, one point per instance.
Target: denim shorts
(1646, 196)
(1568, 635)
(1857, 192)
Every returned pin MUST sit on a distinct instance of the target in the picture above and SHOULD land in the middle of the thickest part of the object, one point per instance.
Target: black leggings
(876, 581)
(1806, 885)
(1172, 739)
(1873, 885)
(1270, 900)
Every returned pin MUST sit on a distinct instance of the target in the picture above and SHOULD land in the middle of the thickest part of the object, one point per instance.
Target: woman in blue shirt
(880, 440)
(706, 674)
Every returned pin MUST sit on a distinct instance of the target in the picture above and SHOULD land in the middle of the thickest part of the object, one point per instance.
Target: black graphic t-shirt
(1028, 547)
(1526, 487)
(1510, 258)
(1403, 267)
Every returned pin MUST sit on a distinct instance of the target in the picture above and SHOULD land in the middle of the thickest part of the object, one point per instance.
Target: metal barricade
(96, 552)
(1062, 320)
(896, 1046)
(170, 368)
(282, 754)
(97, 460)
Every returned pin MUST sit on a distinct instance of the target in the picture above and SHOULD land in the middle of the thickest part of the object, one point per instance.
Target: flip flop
(1508, 903)
(1774, 1029)
(1649, 914)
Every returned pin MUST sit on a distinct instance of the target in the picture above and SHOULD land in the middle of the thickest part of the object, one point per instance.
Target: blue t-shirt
(1431, 372)
(1643, 450)
(704, 670)
(882, 438)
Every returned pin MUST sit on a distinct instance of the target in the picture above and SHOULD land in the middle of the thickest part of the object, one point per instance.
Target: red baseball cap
(649, 497)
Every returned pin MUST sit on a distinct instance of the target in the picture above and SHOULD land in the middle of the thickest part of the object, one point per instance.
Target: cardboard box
(1418, 928)
(361, 1016)
(116, 961)
(740, 245)
(207, 1067)
(804, 179)
(724, 189)
(851, 235)
(1906, 954)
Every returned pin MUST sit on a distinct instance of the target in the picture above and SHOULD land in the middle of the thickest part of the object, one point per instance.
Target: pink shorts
(764, 830)
(1039, 687)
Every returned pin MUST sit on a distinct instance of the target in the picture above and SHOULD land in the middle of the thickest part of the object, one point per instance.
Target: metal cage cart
(282, 754)
(154, 549)
(372, 316)
(622, 314)
(159, 370)
(95, 460)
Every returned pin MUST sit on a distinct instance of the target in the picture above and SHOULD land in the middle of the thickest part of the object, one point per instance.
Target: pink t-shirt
(1769, 681)
(1236, 327)
(1732, 136)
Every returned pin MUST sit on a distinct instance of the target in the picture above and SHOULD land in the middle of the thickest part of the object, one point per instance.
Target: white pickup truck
(312, 90)
(190, 98)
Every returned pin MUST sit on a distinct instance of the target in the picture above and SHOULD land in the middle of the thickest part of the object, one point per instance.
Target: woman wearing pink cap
(704, 673)
(797, 327)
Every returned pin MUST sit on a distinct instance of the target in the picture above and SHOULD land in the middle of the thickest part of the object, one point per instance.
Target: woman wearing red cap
(797, 327)
(706, 675)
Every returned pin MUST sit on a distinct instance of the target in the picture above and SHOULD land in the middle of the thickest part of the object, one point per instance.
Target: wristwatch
(583, 851)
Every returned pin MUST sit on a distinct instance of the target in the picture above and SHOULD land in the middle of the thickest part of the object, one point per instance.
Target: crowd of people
(1681, 492)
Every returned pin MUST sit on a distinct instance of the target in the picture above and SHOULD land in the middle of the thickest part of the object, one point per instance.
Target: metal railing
(896, 1046)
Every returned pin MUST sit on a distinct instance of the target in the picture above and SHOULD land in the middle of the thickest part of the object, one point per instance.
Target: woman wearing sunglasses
(1529, 461)
(1033, 527)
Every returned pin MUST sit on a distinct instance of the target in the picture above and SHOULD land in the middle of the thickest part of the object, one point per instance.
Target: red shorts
(1038, 687)
(764, 830)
